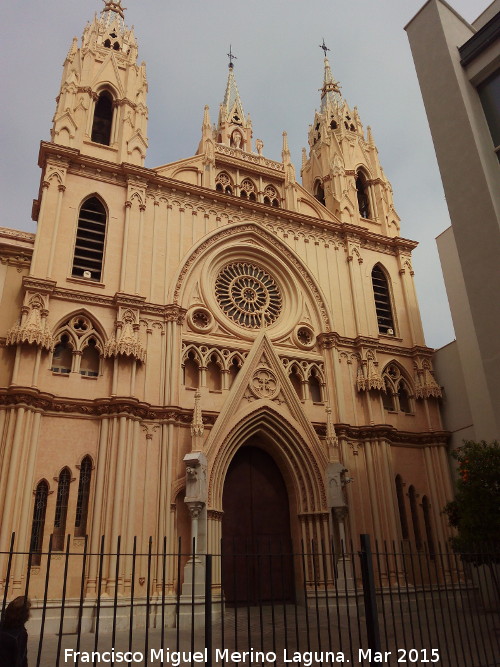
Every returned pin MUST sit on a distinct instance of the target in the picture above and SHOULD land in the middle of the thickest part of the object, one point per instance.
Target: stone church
(209, 349)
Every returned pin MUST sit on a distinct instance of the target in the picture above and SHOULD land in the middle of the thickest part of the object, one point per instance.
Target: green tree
(475, 512)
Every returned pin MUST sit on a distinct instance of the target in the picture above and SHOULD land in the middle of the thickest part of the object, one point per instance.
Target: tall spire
(234, 129)
(233, 108)
(330, 92)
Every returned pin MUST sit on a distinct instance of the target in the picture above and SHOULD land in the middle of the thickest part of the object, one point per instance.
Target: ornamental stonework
(248, 295)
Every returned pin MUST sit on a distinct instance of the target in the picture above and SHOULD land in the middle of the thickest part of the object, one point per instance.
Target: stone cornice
(118, 406)
(362, 434)
(99, 407)
(40, 285)
(333, 339)
(154, 180)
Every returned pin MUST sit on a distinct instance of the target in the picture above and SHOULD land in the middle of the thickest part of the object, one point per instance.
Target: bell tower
(101, 107)
(342, 169)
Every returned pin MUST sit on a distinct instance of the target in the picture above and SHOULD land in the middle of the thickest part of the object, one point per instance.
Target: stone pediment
(264, 383)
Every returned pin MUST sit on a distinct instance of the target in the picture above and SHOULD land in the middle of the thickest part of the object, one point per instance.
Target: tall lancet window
(103, 119)
(82, 503)
(90, 236)
(38, 524)
(382, 298)
(362, 193)
(319, 192)
(61, 509)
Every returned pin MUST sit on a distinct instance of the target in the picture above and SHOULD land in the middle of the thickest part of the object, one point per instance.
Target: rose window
(248, 295)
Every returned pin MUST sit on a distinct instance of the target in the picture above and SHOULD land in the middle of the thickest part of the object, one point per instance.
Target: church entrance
(256, 542)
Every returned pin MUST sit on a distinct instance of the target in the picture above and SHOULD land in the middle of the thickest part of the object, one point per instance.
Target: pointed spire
(232, 106)
(330, 92)
(206, 125)
(197, 427)
(233, 128)
(331, 435)
(285, 152)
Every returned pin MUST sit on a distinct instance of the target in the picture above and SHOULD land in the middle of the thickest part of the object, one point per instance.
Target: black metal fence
(376, 604)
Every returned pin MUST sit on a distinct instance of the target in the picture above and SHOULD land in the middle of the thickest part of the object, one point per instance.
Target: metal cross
(231, 57)
(324, 47)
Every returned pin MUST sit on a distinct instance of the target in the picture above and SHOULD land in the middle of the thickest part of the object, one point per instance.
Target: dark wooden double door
(257, 565)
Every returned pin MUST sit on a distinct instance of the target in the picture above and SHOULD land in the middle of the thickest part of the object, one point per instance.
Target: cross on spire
(324, 47)
(231, 57)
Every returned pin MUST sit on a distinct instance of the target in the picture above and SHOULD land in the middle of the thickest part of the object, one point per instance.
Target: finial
(197, 426)
(324, 47)
(231, 57)
(331, 436)
(285, 153)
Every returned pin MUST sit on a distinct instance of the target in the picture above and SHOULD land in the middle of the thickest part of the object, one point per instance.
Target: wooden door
(256, 544)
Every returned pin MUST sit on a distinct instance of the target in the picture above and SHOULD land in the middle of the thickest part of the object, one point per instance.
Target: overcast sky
(279, 69)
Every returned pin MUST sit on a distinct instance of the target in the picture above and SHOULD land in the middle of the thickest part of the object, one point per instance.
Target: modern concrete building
(458, 67)
(204, 349)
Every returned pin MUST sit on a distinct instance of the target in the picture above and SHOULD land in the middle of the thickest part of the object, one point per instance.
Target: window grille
(82, 503)
(38, 524)
(61, 510)
(382, 301)
(90, 236)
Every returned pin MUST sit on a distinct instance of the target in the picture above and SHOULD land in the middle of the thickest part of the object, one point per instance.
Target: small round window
(248, 295)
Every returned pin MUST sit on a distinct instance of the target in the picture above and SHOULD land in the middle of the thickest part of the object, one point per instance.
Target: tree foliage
(475, 512)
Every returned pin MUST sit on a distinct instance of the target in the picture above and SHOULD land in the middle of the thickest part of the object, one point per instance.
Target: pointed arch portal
(256, 537)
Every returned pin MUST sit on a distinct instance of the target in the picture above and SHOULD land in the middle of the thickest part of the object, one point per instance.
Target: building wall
(469, 170)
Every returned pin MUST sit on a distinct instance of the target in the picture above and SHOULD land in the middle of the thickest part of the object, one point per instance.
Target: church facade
(209, 349)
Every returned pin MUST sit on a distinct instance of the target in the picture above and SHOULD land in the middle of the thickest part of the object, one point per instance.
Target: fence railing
(257, 604)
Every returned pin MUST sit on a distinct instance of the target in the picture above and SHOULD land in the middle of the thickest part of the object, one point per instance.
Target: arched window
(247, 190)
(388, 397)
(404, 398)
(103, 119)
(314, 387)
(90, 359)
(62, 359)
(38, 523)
(414, 517)
(82, 503)
(319, 192)
(362, 193)
(191, 371)
(296, 381)
(214, 375)
(90, 236)
(223, 183)
(398, 393)
(234, 369)
(382, 298)
(271, 196)
(402, 508)
(428, 526)
(61, 509)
